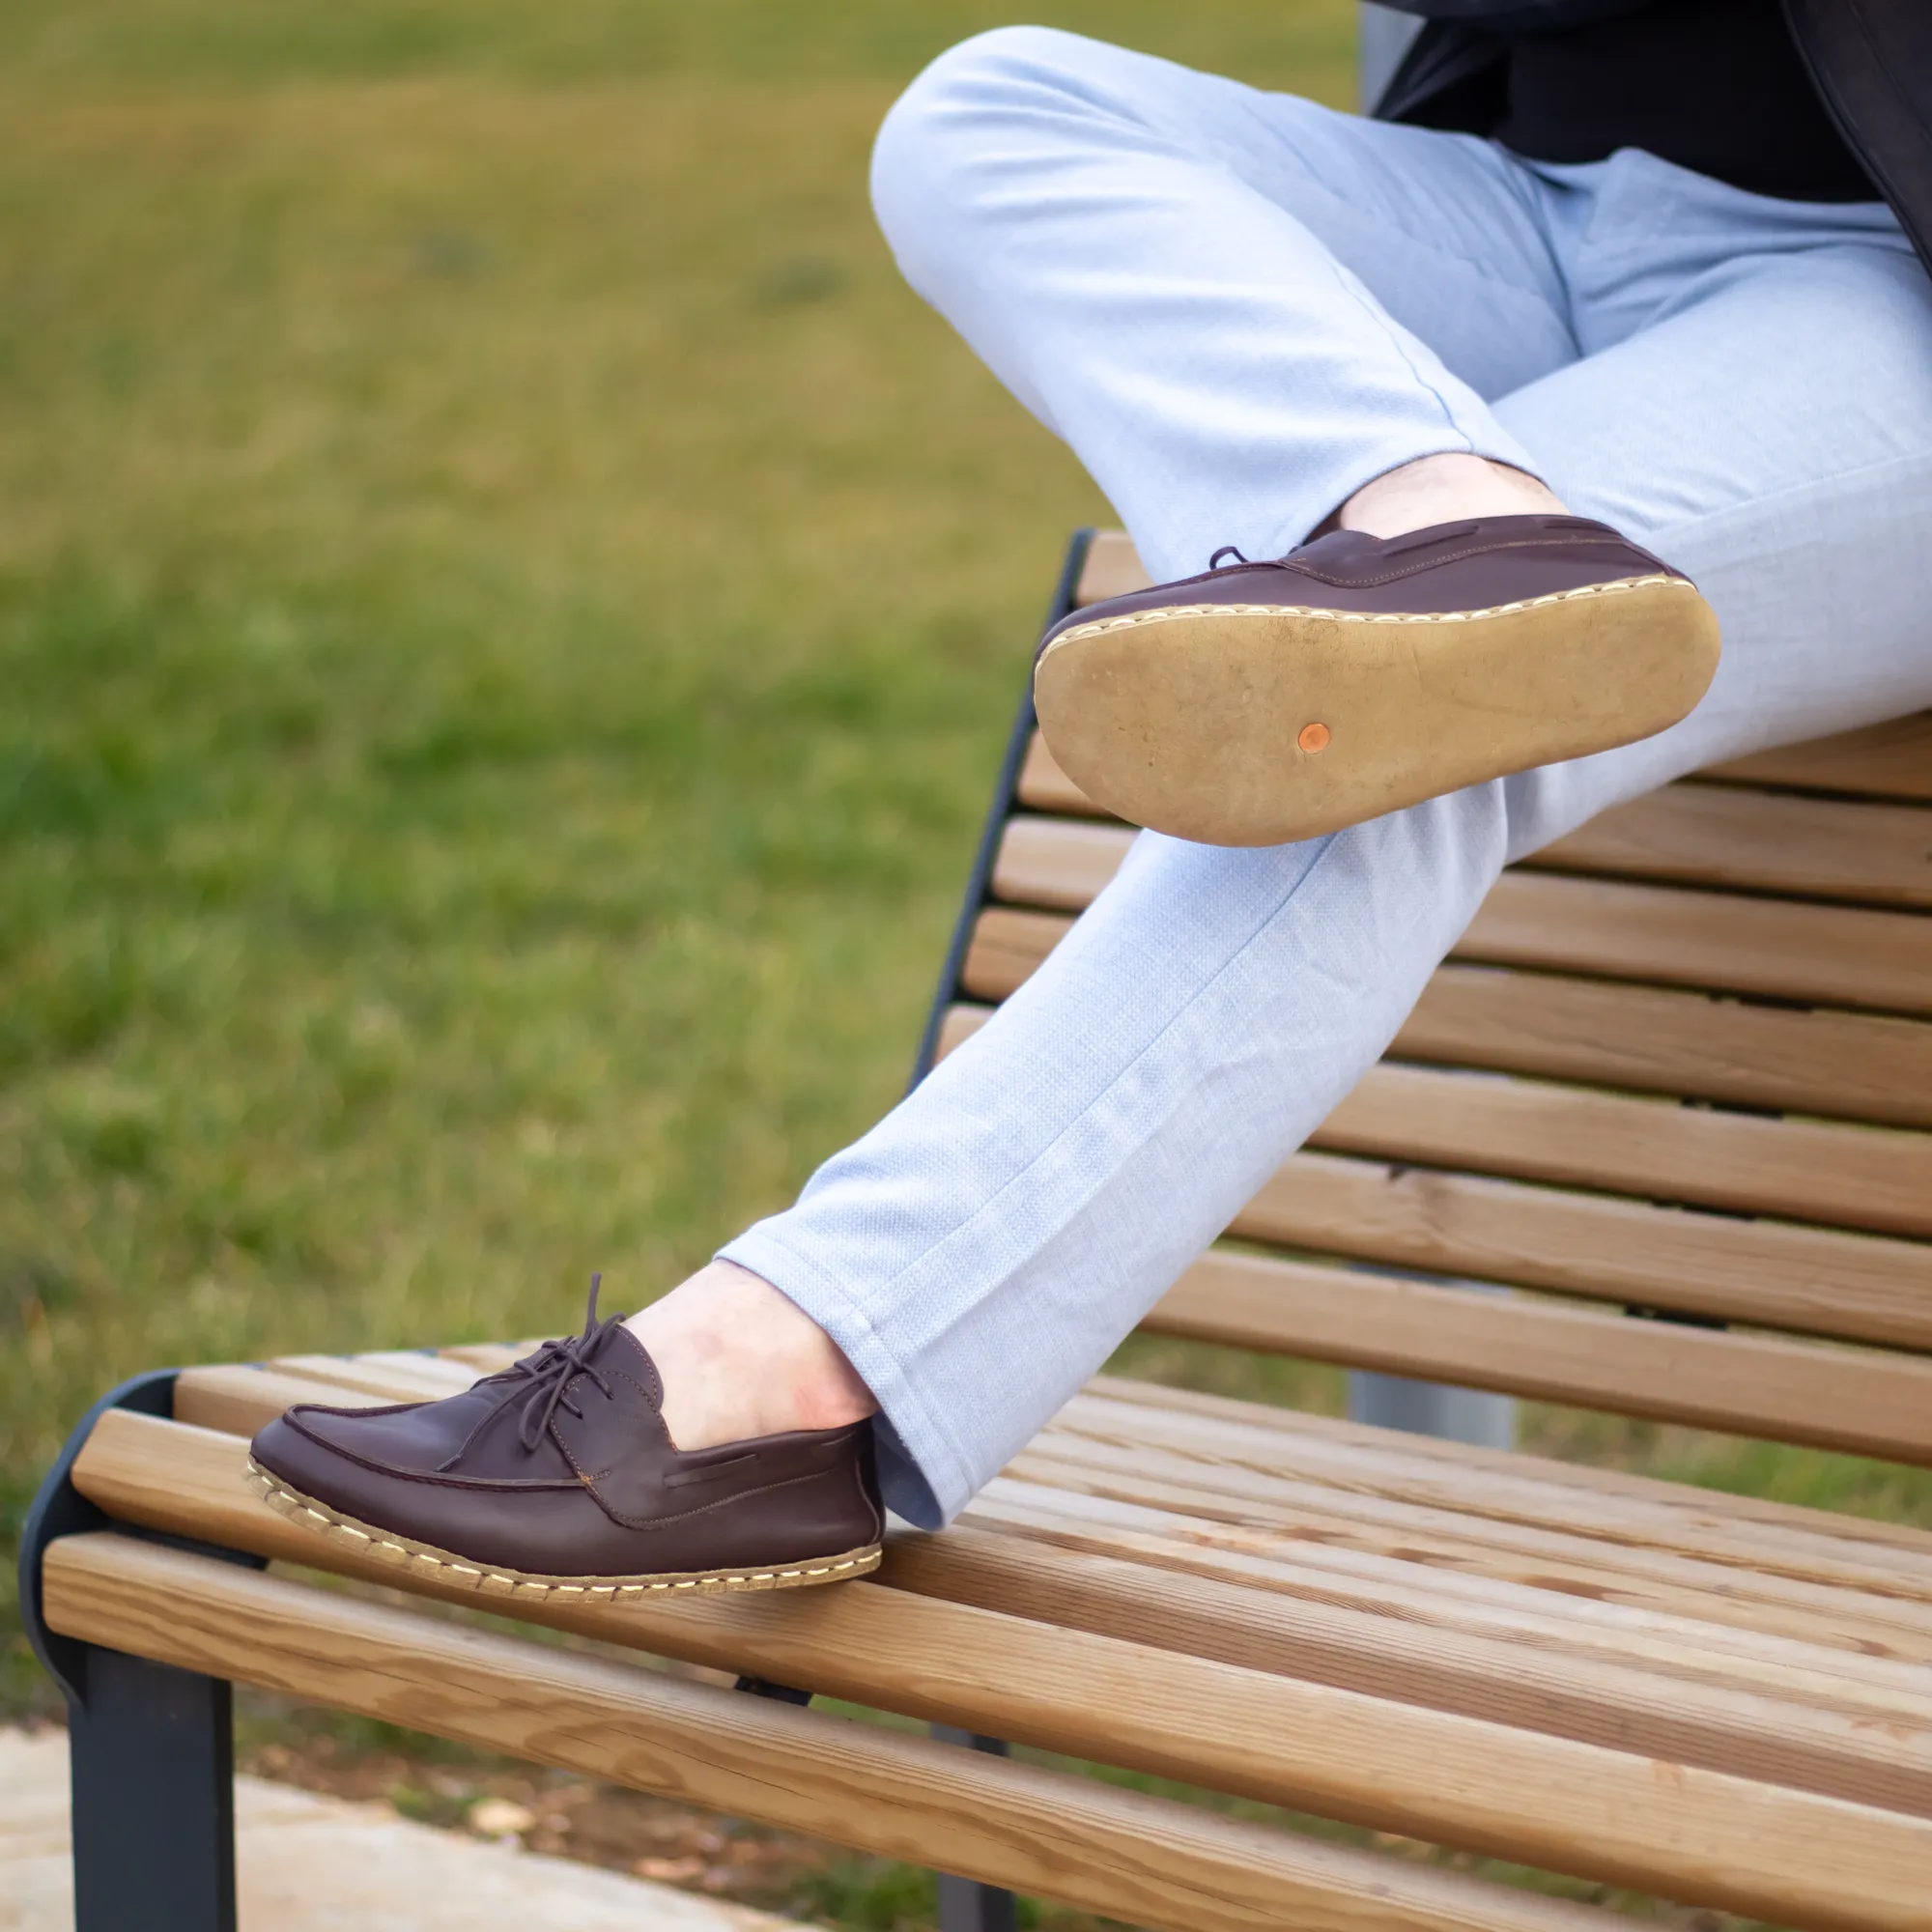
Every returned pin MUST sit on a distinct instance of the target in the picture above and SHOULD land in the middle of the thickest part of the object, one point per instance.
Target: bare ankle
(1442, 490)
(739, 1360)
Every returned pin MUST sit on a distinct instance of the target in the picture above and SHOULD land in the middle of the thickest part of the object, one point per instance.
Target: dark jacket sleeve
(1870, 60)
(1517, 16)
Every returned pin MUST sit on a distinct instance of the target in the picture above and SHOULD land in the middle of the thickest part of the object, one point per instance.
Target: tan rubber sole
(422, 1559)
(1258, 724)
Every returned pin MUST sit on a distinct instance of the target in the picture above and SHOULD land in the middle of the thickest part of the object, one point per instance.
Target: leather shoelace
(540, 1382)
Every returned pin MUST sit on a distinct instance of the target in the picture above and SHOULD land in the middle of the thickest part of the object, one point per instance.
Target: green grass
(508, 612)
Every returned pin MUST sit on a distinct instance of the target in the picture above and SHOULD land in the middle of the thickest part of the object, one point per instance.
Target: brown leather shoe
(557, 1476)
(1267, 703)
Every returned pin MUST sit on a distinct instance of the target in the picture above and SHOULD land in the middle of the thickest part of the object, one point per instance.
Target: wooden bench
(1679, 1068)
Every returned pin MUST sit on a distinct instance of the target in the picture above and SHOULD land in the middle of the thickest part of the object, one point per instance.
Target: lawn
(508, 612)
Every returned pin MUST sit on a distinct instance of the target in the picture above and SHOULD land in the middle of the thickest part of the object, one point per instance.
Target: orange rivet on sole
(1313, 738)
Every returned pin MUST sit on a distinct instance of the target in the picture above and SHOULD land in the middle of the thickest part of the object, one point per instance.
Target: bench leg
(153, 1755)
(965, 1905)
(1433, 1408)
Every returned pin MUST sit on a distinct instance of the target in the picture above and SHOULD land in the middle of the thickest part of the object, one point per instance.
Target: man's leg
(1249, 314)
(1239, 308)
(979, 1253)
(1222, 297)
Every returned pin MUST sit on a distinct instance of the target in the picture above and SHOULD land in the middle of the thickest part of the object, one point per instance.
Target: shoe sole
(1260, 724)
(422, 1559)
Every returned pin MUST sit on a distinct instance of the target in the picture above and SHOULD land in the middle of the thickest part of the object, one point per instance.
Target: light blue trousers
(1238, 309)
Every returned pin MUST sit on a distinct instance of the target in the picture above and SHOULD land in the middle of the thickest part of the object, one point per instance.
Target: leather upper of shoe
(562, 1465)
(1475, 565)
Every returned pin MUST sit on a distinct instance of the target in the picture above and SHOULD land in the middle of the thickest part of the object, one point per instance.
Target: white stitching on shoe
(1163, 614)
(299, 1510)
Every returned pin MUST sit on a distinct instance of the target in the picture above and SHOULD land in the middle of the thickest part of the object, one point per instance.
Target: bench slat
(241, 1400)
(1863, 1066)
(1858, 1400)
(1006, 949)
(1279, 1568)
(1827, 955)
(1875, 1179)
(1665, 1691)
(1824, 955)
(1890, 760)
(1612, 1546)
(1110, 568)
(1510, 1485)
(1764, 841)
(1111, 1851)
(1708, 835)
(1872, 1178)
(1885, 761)
(384, 1377)
(1172, 1511)
(1043, 786)
(1818, 1061)
(1769, 1273)
(1533, 1493)
(1061, 863)
(1691, 1833)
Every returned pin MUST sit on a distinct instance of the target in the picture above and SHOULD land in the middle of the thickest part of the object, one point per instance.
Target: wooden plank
(1702, 1836)
(1502, 1515)
(1057, 862)
(1533, 1495)
(1006, 950)
(1861, 1401)
(1305, 1542)
(1887, 762)
(1877, 1179)
(444, 1370)
(1509, 1515)
(1637, 1037)
(1891, 761)
(960, 1024)
(1705, 835)
(393, 1378)
(1769, 1273)
(1863, 1066)
(1510, 1485)
(1044, 787)
(1115, 1852)
(1827, 955)
(241, 1398)
(486, 1358)
(1189, 1507)
(1112, 568)
(1814, 954)
(1760, 841)
(1374, 1531)
(1666, 1693)
(1289, 1571)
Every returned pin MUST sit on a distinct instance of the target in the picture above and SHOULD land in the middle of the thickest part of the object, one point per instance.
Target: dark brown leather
(563, 1467)
(1473, 566)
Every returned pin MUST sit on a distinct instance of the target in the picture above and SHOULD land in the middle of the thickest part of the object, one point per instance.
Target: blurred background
(509, 611)
(508, 616)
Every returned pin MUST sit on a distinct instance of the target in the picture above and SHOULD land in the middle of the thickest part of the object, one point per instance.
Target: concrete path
(317, 1865)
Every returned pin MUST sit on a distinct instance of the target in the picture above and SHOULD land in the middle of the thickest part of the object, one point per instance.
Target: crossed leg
(1240, 310)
